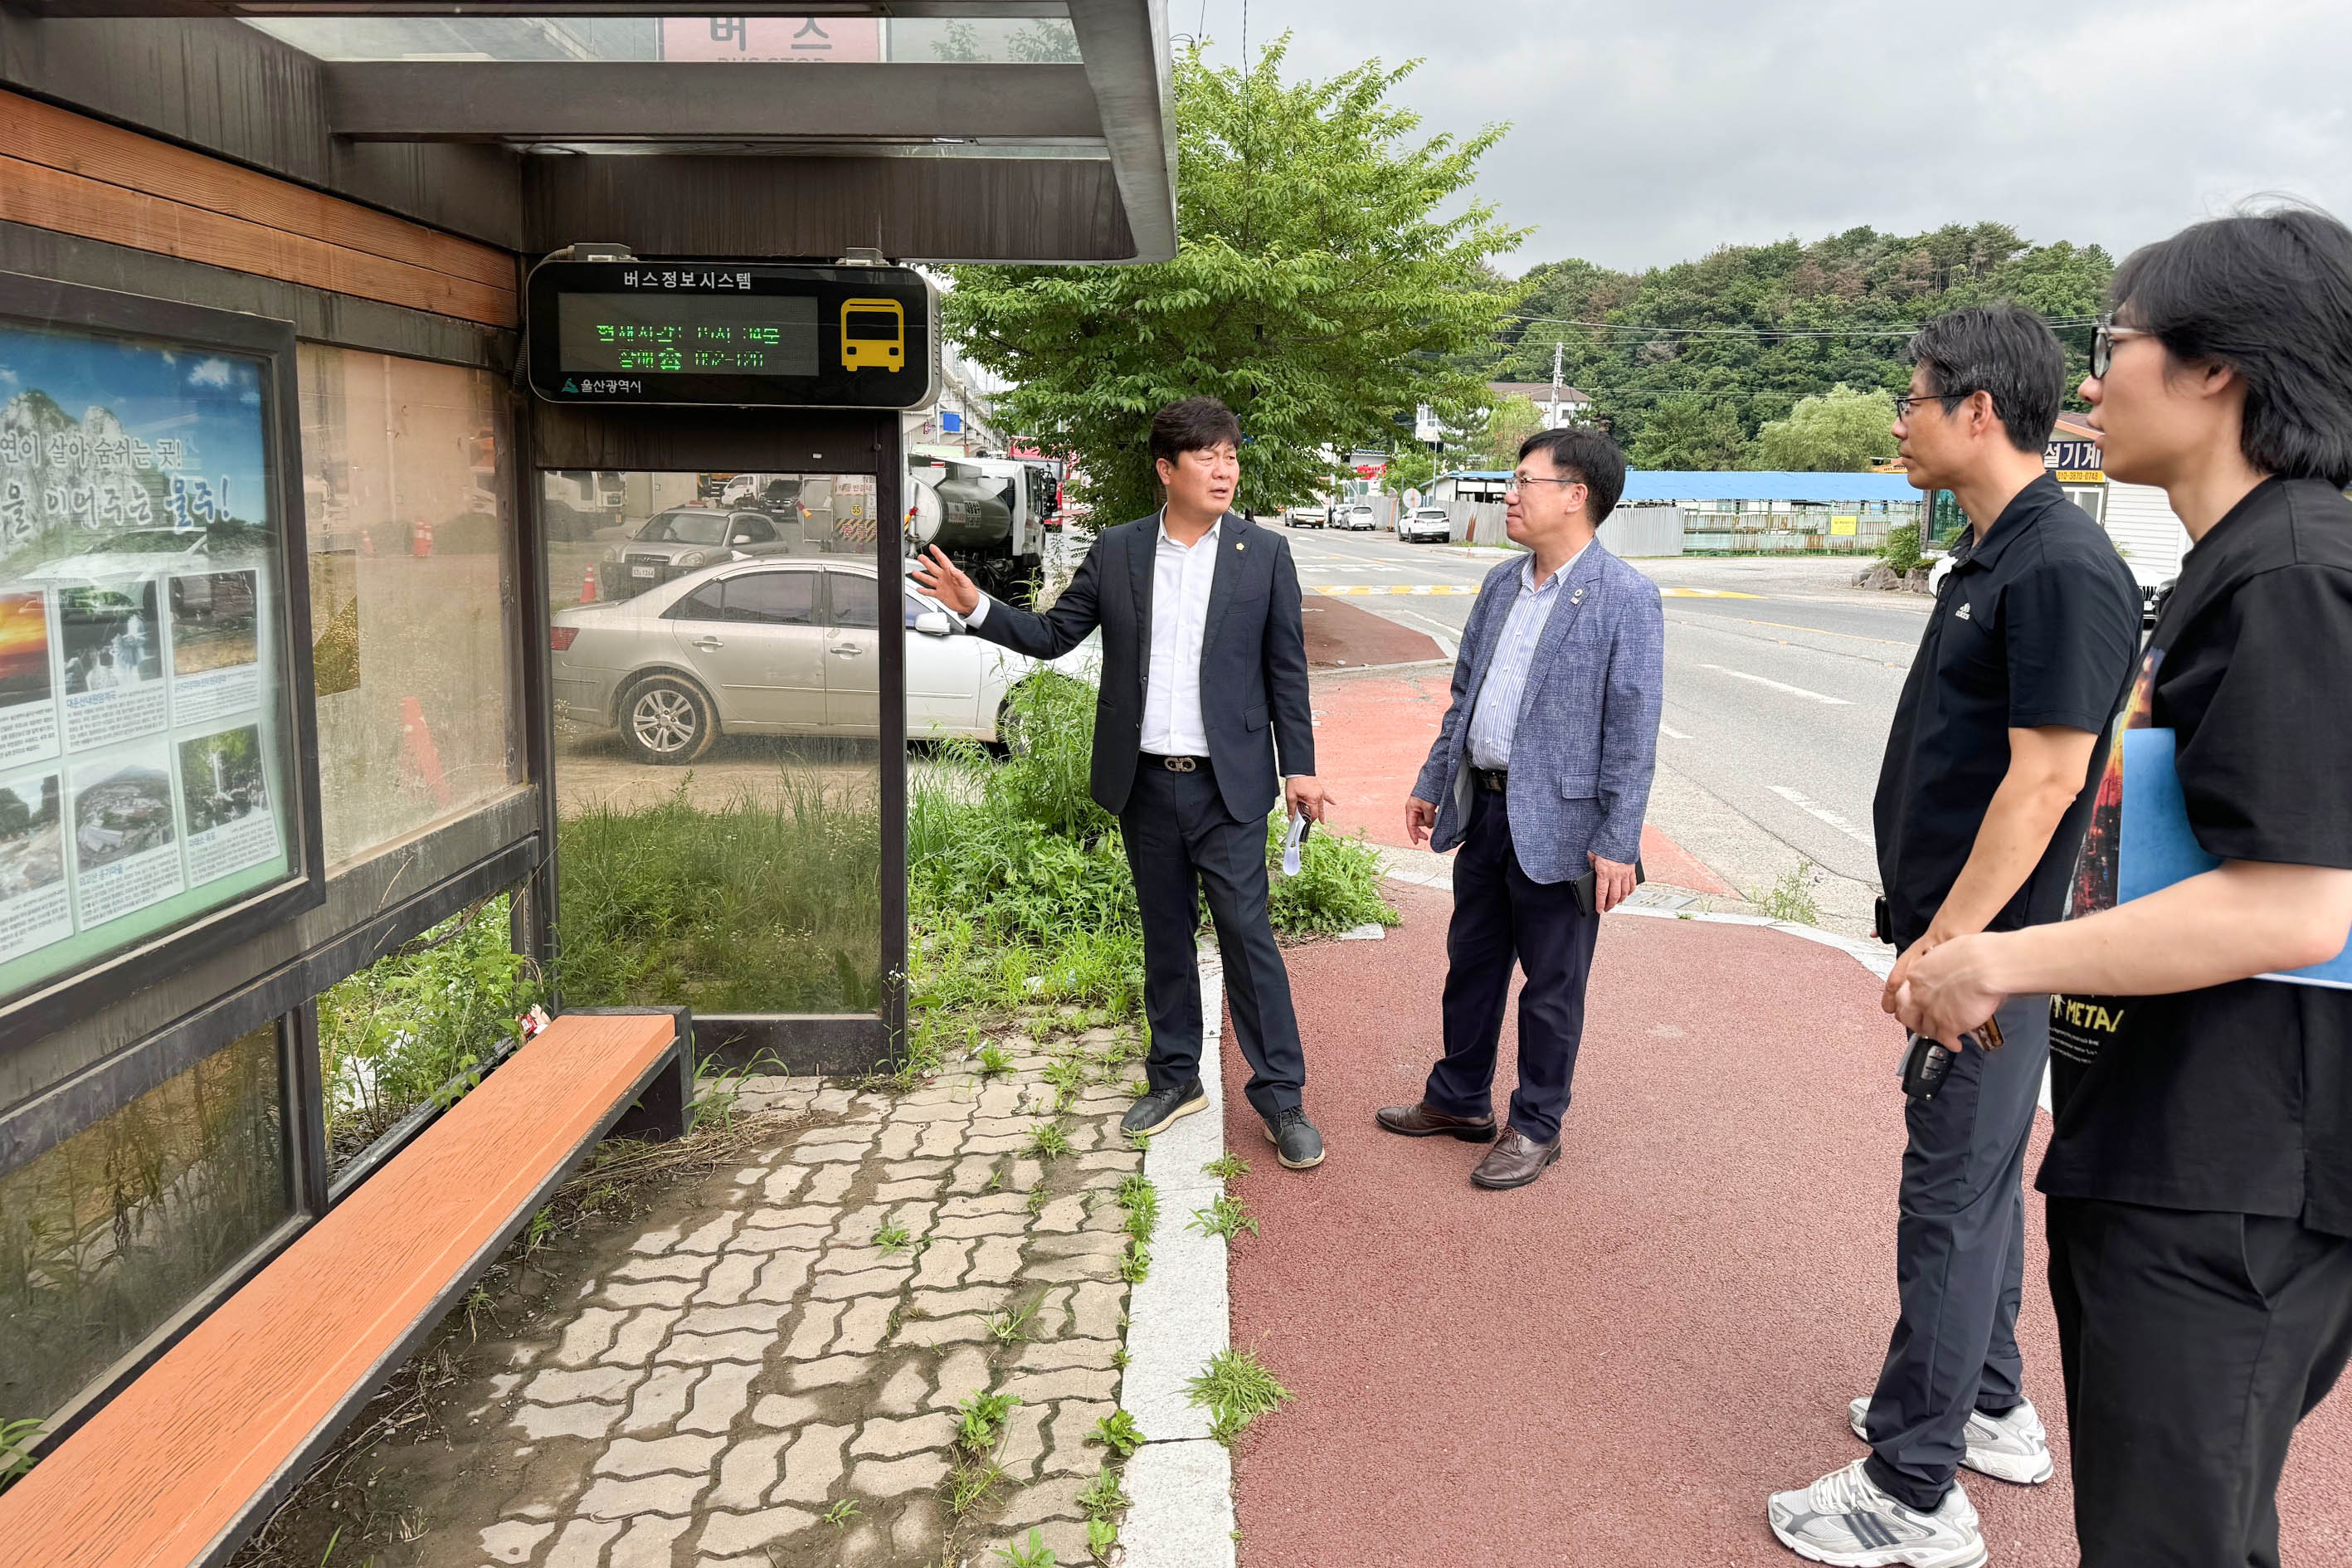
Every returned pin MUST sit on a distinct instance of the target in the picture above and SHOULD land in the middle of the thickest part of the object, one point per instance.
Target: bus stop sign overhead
(734, 333)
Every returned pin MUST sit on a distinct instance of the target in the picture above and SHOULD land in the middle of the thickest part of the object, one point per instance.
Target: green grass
(893, 1239)
(1048, 1142)
(1791, 897)
(1140, 1199)
(1337, 886)
(768, 903)
(1225, 1216)
(1235, 1389)
(1228, 1167)
(1035, 1555)
(980, 1422)
(16, 1449)
(1012, 1328)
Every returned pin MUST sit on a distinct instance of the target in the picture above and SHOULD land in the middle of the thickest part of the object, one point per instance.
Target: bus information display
(623, 334)
(738, 333)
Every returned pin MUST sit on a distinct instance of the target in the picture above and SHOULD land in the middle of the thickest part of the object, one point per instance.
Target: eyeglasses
(1513, 485)
(1904, 402)
(2102, 343)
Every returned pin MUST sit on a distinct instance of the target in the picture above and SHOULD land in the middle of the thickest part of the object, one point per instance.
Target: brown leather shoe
(1514, 1162)
(1420, 1121)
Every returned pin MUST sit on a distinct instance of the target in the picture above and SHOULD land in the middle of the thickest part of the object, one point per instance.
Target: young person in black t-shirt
(2199, 1177)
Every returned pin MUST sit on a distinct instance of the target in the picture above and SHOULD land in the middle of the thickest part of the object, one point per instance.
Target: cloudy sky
(1652, 131)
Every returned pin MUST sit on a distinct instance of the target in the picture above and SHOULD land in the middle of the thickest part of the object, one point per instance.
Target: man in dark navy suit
(1203, 682)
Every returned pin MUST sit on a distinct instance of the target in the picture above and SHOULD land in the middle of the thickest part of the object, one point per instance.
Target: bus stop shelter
(285, 539)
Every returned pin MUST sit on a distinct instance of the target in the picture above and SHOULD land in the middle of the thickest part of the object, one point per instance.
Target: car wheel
(668, 721)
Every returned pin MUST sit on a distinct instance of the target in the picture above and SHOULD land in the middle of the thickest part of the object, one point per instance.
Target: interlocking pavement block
(666, 1494)
(646, 1457)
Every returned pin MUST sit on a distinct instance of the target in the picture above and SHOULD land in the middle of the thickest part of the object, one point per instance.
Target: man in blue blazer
(1204, 681)
(1540, 772)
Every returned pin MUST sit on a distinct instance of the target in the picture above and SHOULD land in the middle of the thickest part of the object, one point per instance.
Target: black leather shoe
(1154, 1111)
(1295, 1142)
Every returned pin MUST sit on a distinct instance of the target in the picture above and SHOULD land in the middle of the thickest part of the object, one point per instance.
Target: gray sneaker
(2011, 1447)
(1153, 1113)
(1295, 1142)
(1845, 1520)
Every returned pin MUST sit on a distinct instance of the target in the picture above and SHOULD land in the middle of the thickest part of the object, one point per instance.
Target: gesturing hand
(1420, 820)
(943, 580)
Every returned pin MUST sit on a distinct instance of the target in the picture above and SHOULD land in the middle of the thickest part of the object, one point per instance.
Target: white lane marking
(1449, 638)
(1816, 810)
(1779, 686)
(1671, 733)
(1336, 589)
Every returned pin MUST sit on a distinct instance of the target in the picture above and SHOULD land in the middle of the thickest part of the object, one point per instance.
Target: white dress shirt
(1495, 721)
(1180, 579)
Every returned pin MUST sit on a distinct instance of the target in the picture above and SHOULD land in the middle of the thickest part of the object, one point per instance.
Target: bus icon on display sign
(873, 332)
(732, 333)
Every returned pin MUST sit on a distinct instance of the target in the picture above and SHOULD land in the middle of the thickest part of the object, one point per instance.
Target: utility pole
(1551, 419)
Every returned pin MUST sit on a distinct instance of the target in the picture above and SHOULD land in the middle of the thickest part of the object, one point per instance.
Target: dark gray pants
(1183, 842)
(1959, 1261)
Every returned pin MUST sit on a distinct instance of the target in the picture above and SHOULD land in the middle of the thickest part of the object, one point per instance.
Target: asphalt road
(1781, 680)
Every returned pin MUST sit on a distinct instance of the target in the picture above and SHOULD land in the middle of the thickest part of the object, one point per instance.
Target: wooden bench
(195, 1455)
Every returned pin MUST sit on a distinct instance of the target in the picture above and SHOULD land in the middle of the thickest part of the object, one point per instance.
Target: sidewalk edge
(1181, 1480)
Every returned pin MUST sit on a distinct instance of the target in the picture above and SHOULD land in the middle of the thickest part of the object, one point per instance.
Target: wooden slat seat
(189, 1459)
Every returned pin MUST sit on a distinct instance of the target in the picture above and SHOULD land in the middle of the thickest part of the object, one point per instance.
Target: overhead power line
(2056, 323)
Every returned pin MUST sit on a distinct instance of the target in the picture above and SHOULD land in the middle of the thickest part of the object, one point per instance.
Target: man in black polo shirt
(1982, 801)
(2199, 1174)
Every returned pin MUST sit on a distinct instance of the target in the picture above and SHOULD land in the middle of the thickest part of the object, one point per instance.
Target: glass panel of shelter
(971, 38)
(713, 671)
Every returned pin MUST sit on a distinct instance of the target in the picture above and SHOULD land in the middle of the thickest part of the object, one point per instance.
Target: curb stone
(1181, 1480)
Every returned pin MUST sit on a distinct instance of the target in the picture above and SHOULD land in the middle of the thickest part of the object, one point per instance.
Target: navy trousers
(1959, 1261)
(1181, 841)
(1501, 915)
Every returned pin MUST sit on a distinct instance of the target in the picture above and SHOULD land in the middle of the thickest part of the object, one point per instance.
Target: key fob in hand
(1924, 1067)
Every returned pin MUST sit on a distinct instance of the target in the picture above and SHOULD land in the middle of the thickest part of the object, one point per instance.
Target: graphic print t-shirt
(2236, 1098)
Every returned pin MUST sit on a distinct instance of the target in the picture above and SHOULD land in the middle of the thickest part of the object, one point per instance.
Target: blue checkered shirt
(1496, 720)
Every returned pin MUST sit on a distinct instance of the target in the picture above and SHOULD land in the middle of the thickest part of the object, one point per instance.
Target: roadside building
(1558, 405)
(1724, 511)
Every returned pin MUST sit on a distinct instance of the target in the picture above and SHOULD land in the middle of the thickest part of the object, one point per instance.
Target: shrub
(1903, 548)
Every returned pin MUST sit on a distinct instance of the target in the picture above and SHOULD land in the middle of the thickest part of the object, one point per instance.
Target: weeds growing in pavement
(1067, 1075)
(893, 1239)
(1048, 1142)
(1101, 1536)
(1235, 1389)
(1337, 886)
(1140, 1199)
(1138, 1141)
(1037, 1554)
(1225, 1217)
(1135, 1263)
(996, 1179)
(993, 1062)
(1012, 1328)
(1791, 897)
(968, 1485)
(981, 1422)
(1118, 1433)
(1039, 1197)
(840, 1514)
(1226, 1168)
(1138, 1087)
(1102, 1497)
(715, 1099)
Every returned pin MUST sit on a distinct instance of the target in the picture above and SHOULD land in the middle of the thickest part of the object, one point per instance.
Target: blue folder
(2159, 849)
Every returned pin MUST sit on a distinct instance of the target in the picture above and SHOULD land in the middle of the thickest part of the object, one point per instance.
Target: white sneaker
(1845, 1520)
(2012, 1448)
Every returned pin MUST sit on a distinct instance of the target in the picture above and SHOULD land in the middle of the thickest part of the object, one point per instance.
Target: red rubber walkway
(1614, 1365)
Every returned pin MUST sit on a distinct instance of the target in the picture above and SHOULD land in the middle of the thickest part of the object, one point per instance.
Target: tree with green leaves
(1752, 329)
(1842, 430)
(1685, 430)
(1509, 423)
(1328, 279)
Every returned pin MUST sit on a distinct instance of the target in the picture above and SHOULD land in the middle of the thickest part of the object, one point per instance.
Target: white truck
(992, 516)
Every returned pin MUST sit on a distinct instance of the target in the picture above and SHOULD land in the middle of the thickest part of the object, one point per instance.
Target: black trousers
(1181, 842)
(2192, 1344)
(1959, 1261)
(1501, 914)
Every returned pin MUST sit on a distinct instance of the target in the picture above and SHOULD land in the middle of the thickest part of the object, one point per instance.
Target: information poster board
(150, 773)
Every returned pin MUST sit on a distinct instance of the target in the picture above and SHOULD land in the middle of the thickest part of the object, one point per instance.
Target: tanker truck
(990, 518)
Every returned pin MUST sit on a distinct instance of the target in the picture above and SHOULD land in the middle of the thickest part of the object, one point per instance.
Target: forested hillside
(1688, 362)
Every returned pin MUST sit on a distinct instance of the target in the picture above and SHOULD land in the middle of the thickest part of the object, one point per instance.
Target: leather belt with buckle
(1491, 780)
(1176, 765)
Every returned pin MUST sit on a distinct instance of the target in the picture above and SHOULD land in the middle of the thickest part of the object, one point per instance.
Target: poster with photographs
(143, 671)
(29, 683)
(126, 841)
(33, 908)
(113, 648)
(225, 792)
(215, 645)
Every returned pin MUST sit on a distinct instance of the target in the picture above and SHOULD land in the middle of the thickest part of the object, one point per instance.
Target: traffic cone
(589, 592)
(417, 749)
(420, 539)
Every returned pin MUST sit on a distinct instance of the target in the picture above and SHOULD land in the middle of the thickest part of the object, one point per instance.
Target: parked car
(775, 647)
(687, 538)
(1357, 518)
(1307, 516)
(1425, 523)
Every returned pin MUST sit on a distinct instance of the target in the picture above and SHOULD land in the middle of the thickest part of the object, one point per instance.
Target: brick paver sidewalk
(770, 1375)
